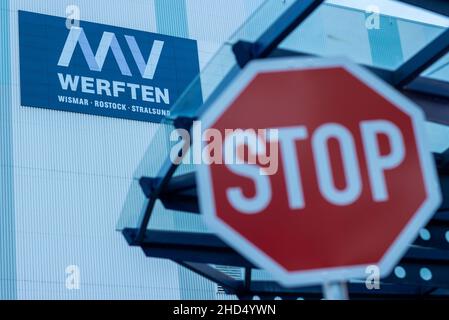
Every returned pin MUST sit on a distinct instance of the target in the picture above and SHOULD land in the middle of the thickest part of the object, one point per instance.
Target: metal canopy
(438, 6)
(424, 271)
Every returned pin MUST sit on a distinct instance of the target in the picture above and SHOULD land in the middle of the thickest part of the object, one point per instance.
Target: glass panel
(439, 70)
(438, 137)
(223, 63)
(136, 201)
(321, 34)
(210, 77)
(366, 35)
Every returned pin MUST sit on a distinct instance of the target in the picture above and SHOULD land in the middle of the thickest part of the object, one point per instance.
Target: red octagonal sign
(341, 178)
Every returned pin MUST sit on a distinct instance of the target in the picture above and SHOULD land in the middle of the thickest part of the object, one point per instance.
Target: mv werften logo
(109, 42)
(103, 70)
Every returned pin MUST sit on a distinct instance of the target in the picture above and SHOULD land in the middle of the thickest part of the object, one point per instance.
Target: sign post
(315, 170)
(335, 291)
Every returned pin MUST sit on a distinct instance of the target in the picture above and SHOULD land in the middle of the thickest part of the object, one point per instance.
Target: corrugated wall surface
(72, 171)
(71, 175)
(7, 214)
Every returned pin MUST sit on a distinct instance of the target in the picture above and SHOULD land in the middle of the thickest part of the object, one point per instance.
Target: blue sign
(103, 70)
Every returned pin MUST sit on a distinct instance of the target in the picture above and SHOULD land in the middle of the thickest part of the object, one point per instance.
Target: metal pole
(335, 291)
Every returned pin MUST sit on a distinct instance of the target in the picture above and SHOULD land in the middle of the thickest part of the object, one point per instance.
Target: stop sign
(350, 179)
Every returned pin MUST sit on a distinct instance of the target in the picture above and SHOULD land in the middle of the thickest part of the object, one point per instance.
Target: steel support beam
(214, 275)
(277, 32)
(430, 94)
(422, 60)
(437, 6)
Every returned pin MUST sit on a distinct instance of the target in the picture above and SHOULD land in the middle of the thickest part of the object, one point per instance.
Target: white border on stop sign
(326, 275)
